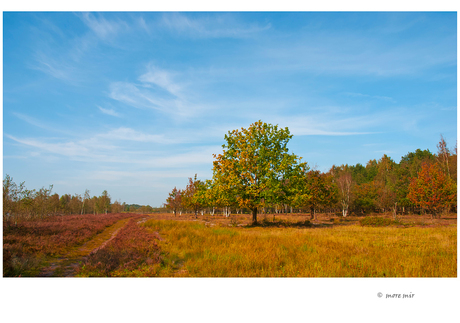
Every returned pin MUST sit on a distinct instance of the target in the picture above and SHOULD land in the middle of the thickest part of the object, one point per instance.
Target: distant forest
(20, 202)
(380, 186)
(255, 181)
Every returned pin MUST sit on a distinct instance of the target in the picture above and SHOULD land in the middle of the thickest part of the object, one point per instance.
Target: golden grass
(192, 249)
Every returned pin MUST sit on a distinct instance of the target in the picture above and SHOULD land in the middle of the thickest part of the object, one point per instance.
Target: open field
(162, 245)
(31, 246)
(420, 248)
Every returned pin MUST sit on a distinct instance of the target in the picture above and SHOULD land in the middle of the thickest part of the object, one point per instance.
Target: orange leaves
(432, 189)
(194, 194)
(174, 200)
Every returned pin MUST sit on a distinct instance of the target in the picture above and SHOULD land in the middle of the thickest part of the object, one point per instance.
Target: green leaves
(255, 166)
(194, 196)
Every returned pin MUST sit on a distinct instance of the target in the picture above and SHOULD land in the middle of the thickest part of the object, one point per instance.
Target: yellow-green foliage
(194, 250)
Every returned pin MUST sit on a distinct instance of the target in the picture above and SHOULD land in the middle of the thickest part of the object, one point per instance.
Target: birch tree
(344, 183)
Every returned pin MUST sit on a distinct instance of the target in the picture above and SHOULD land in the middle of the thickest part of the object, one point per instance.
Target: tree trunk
(312, 213)
(395, 211)
(254, 215)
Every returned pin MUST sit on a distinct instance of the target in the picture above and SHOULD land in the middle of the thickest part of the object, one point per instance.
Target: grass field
(215, 246)
(196, 250)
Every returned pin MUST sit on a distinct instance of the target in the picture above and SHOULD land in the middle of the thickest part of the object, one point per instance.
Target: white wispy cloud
(32, 121)
(158, 90)
(138, 97)
(40, 124)
(210, 26)
(70, 148)
(329, 124)
(103, 28)
(109, 112)
(143, 25)
(135, 176)
(354, 54)
(197, 155)
(56, 68)
(115, 146)
(361, 95)
(128, 134)
(161, 78)
(60, 54)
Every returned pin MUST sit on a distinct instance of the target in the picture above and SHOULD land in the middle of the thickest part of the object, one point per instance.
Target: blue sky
(135, 103)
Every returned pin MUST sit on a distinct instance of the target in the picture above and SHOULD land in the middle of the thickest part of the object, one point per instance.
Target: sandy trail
(67, 265)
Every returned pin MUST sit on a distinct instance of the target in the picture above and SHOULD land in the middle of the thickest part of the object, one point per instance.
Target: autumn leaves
(432, 189)
(256, 170)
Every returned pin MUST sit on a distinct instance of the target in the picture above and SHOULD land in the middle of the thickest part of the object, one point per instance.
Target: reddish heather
(132, 247)
(28, 241)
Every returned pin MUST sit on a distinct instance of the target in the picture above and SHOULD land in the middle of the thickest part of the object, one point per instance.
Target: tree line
(20, 202)
(256, 173)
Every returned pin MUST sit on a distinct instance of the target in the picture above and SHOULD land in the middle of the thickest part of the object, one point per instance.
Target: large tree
(255, 167)
(432, 189)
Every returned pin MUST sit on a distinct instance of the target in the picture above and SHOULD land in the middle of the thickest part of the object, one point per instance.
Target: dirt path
(67, 265)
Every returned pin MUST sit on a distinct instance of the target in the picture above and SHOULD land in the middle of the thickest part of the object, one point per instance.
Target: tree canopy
(432, 189)
(256, 167)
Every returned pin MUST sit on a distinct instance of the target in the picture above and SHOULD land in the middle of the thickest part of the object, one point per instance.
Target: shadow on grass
(287, 224)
